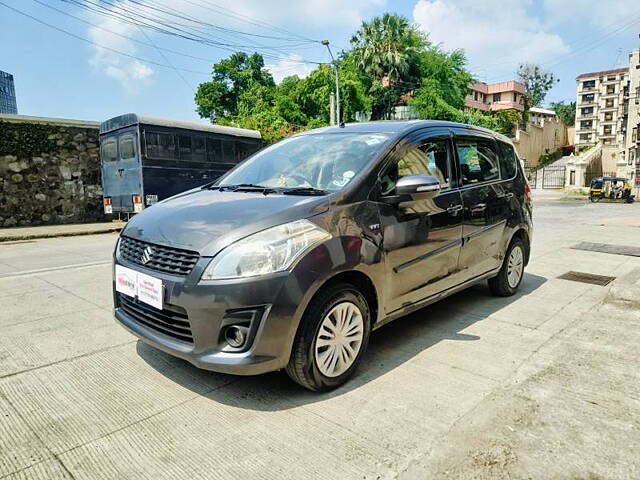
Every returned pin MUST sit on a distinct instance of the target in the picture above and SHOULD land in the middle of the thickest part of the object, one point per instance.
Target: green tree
(537, 83)
(565, 111)
(387, 49)
(231, 78)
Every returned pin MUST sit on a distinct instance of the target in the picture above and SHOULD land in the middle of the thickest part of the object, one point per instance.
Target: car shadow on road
(389, 347)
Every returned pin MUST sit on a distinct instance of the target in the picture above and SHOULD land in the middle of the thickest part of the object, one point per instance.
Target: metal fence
(553, 177)
(532, 176)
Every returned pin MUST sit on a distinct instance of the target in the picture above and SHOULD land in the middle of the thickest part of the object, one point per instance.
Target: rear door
(421, 238)
(486, 202)
(121, 175)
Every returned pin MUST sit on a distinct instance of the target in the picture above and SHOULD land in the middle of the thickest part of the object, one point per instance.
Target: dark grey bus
(147, 159)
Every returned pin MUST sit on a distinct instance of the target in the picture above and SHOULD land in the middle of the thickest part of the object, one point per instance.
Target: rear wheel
(508, 280)
(332, 336)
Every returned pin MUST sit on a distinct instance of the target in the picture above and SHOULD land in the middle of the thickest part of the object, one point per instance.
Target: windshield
(324, 161)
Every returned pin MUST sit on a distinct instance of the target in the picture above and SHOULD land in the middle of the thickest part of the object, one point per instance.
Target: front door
(486, 203)
(421, 239)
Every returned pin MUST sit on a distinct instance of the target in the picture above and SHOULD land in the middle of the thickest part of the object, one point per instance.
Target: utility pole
(332, 108)
(335, 65)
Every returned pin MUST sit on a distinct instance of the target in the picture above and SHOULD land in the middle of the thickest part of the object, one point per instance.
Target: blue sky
(60, 76)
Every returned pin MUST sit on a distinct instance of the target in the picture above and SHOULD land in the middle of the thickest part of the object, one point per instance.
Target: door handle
(454, 209)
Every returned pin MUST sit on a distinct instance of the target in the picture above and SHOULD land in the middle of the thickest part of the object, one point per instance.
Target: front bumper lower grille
(171, 260)
(171, 321)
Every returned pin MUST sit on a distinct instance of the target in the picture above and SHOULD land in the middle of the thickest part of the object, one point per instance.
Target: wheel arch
(523, 235)
(362, 282)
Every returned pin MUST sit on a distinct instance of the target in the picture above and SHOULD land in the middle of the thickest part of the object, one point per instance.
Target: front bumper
(277, 302)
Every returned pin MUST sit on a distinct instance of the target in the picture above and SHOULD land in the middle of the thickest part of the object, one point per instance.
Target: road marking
(40, 271)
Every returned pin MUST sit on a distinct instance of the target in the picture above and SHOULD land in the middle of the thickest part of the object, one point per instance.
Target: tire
(503, 285)
(594, 198)
(308, 365)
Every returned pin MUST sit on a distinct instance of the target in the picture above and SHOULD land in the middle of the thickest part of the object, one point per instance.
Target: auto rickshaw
(610, 189)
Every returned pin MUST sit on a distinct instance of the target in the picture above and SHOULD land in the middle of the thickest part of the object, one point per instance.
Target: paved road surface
(81, 398)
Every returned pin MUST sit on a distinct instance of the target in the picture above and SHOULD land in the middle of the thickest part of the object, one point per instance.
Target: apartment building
(600, 108)
(496, 96)
(7, 94)
(631, 112)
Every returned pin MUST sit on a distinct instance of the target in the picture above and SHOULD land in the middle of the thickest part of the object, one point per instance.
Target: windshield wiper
(304, 191)
(247, 187)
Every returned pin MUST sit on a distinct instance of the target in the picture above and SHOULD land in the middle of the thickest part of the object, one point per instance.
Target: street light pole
(335, 65)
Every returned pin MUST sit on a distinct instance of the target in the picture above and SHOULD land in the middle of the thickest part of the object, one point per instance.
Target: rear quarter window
(508, 160)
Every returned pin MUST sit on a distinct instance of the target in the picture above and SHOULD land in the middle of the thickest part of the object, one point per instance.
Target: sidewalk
(48, 231)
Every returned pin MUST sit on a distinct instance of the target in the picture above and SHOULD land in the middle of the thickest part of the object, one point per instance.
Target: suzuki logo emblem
(146, 255)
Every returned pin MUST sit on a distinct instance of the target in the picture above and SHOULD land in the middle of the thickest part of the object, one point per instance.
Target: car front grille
(156, 257)
(171, 321)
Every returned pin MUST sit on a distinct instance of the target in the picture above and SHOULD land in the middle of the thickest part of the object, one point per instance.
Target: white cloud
(289, 65)
(307, 12)
(131, 73)
(497, 35)
(597, 13)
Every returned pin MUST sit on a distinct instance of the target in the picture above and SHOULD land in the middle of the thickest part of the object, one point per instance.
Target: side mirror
(418, 187)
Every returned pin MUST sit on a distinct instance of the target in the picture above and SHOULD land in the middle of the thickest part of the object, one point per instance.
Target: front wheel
(508, 280)
(332, 336)
(594, 198)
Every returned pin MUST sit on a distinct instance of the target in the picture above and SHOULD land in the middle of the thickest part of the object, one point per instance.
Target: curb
(625, 290)
(54, 234)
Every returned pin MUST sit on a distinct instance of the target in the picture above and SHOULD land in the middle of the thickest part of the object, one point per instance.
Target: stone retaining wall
(49, 171)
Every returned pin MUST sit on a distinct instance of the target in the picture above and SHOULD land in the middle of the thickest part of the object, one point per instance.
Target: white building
(632, 116)
(600, 108)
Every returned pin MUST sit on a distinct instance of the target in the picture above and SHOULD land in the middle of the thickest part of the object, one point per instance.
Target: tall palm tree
(387, 47)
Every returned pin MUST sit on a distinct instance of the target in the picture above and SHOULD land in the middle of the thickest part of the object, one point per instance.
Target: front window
(325, 161)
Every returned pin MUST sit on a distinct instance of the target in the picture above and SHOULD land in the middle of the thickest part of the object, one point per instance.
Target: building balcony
(587, 103)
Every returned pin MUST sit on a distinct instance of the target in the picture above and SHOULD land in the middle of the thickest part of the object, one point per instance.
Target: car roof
(401, 127)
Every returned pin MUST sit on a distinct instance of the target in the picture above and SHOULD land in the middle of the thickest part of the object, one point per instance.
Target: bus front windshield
(324, 161)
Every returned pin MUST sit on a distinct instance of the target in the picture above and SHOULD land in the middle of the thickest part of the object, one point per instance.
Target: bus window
(127, 147)
(229, 151)
(109, 150)
(246, 149)
(214, 150)
(184, 144)
(199, 150)
(160, 145)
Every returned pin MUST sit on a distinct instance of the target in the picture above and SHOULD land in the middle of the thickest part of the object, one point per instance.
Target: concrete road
(452, 391)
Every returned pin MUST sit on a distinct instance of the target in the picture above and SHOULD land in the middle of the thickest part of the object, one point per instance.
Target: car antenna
(341, 125)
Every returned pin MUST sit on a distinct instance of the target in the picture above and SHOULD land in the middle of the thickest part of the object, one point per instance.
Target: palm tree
(387, 47)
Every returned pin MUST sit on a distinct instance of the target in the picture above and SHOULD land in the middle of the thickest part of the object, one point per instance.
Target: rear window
(478, 160)
(127, 147)
(109, 150)
(508, 161)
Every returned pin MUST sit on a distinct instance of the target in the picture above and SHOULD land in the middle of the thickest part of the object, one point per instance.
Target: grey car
(292, 258)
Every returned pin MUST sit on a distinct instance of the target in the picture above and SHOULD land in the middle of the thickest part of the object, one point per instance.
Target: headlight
(269, 251)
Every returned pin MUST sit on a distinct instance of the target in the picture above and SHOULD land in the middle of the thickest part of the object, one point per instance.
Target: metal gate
(591, 173)
(532, 176)
(553, 177)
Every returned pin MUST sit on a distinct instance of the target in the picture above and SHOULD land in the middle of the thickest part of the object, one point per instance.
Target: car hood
(208, 220)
